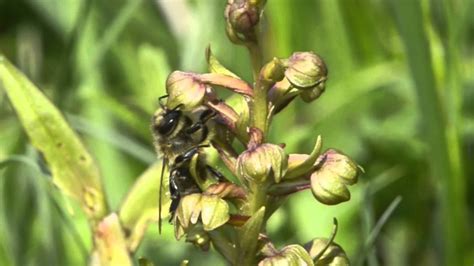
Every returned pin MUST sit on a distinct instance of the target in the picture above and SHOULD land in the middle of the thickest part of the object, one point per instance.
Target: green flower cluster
(232, 215)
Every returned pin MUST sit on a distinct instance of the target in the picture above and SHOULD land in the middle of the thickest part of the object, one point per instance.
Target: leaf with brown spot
(74, 171)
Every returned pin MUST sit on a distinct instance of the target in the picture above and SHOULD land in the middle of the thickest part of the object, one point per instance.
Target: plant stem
(256, 58)
(257, 197)
(260, 106)
(260, 101)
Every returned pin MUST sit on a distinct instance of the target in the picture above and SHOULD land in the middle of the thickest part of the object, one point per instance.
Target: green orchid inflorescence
(232, 215)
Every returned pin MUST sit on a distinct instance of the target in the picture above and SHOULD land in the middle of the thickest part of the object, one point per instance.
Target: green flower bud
(334, 255)
(313, 93)
(186, 89)
(341, 165)
(305, 70)
(328, 183)
(257, 163)
(308, 72)
(241, 17)
(290, 255)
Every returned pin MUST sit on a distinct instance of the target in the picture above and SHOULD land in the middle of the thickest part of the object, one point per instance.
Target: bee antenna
(160, 101)
(163, 165)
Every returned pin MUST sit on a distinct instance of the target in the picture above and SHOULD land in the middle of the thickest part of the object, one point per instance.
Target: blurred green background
(399, 100)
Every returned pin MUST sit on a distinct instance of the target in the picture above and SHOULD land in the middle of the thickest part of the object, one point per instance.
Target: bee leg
(216, 174)
(200, 125)
(195, 128)
(188, 155)
(173, 207)
(174, 194)
(185, 157)
(206, 115)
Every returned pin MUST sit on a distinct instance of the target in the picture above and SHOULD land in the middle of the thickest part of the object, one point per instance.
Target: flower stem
(260, 106)
(257, 197)
(256, 58)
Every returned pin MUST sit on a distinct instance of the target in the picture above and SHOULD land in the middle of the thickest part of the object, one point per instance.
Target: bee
(178, 138)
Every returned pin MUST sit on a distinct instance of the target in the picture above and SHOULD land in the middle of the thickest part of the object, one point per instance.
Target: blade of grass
(368, 218)
(66, 62)
(116, 27)
(382, 180)
(45, 229)
(6, 252)
(441, 145)
(369, 242)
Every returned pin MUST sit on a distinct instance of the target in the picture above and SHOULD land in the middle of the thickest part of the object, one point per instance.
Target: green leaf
(73, 169)
(154, 70)
(140, 206)
(298, 168)
(215, 66)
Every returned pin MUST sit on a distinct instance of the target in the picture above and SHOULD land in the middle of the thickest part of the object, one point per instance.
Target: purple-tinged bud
(329, 182)
(308, 72)
(242, 16)
(305, 70)
(259, 162)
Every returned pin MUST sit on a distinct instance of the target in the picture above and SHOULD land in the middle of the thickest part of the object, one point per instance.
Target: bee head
(166, 120)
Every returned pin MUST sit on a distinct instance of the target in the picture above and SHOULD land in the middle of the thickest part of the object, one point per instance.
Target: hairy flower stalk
(232, 216)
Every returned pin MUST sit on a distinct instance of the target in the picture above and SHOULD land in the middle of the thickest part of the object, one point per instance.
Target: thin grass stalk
(436, 132)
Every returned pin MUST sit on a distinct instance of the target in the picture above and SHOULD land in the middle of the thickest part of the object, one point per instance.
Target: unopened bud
(329, 182)
(307, 71)
(257, 163)
(242, 16)
(334, 255)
